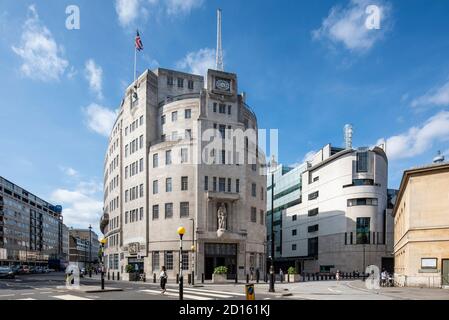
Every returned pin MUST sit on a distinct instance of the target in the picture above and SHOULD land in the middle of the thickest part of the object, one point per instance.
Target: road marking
(219, 292)
(93, 297)
(188, 296)
(203, 293)
(46, 292)
(27, 299)
(334, 290)
(70, 297)
(27, 293)
(7, 295)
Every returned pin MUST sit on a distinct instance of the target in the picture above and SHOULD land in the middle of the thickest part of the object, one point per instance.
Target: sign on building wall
(3, 254)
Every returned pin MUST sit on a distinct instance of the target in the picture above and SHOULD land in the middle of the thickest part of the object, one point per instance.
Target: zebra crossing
(196, 294)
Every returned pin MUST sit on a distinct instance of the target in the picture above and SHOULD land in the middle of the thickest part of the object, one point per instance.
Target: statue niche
(222, 216)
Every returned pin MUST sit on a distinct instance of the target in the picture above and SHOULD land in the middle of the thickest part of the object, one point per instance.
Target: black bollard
(257, 275)
(247, 278)
(193, 278)
(154, 278)
(288, 277)
(202, 278)
(109, 276)
(189, 278)
(118, 275)
(177, 278)
(113, 275)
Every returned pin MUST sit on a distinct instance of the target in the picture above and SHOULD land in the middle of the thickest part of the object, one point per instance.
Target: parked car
(24, 269)
(16, 269)
(6, 273)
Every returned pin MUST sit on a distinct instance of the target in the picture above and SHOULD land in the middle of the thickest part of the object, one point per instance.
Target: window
(294, 232)
(312, 244)
(155, 261)
(313, 228)
(141, 142)
(214, 184)
(168, 157)
(162, 120)
(237, 185)
(363, 231)
(294, 217)
(180, 83)
(184, 209)
(188, 134)
(185, 260)
(155, 160)
(206, 183)
(184, 183)
(126, 217)
(313, 195)
(362, 202)
(253, 189)
(190, 84)
(293, 247)
(253, 214)
(156, 212)
(126, 172)
(155, 187)
(174, 116)
(312, 212)
(168, 210)
(222, 108)
(169, 80)
(168, 185)
(229, 109)
(222, 130)
(141, 121)
(215, 107)
(126, 196)
(262, 214)
(126, 151)
(261, 193)
(223, 156)
(141, 190)
(141, 213)
(222, 185)
(141, 165)
(184, 155)
(168, 260)
(362, 161)
(229, 184)
(187, 113)
(163, 137)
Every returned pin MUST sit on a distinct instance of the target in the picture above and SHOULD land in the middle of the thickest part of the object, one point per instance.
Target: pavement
(52, 287)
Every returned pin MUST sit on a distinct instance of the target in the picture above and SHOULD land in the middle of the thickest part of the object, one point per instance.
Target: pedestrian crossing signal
(250, 294)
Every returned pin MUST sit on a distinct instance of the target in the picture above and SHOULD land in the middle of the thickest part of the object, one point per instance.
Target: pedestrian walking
(337, 275)
(281, 274)
(163, 277)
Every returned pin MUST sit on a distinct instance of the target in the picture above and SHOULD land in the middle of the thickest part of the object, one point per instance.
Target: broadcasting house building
(161, 171)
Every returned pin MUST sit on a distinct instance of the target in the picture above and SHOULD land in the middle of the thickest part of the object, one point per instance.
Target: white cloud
(176, 7)
(127, 11)
(100, 119)
(94, 74)
(69, 171)
(79, 209)
(39, 51)
(198, 62)
(438, 96)
(418, 140)
(347, 25)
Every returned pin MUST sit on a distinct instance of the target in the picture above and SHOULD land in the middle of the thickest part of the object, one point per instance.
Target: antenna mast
(219, 59)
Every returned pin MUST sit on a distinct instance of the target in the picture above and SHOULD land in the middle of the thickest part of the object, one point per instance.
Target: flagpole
(135, 63)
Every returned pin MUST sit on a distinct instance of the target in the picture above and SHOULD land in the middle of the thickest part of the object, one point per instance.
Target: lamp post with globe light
(181, 232)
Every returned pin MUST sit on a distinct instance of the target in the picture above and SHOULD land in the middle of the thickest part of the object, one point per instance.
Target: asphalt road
(52, 287)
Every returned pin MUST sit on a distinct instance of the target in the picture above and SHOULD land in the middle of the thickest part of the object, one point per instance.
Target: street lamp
(272, 271)
(90, 249)
(193, 251)
(181, 232)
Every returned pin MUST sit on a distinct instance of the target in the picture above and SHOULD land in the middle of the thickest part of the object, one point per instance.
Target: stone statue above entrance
(222, 220)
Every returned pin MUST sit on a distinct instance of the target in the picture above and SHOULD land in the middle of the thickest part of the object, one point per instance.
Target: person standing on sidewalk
(281, 274)
(163, 277)
(337, 275)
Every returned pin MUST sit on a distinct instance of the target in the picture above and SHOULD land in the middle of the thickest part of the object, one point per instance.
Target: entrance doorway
(220, 254)
(445, 272)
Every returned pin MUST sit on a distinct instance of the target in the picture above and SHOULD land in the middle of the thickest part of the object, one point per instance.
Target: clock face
(223, 84)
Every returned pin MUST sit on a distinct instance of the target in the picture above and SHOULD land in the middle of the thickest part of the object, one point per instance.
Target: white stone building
(343, 220)
(156, 178)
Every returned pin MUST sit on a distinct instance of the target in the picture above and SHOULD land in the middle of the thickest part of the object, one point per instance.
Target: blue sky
(308, 68)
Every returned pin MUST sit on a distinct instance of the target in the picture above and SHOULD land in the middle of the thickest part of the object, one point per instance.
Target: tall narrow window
(222, 185)
(237, 185)
(214, 183)
(168, 185)
(362, 161)
(156, 212)
(168, 157)
(188, 113)
(155, 160)
(184, 209)
(174, 116)
(184, 155)
(168, 210)
(190, 84)
(229, 184)
(363, 230)
(155, 187)
(206, 183)
(184, 183)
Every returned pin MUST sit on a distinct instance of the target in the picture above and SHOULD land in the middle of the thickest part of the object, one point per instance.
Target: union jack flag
(139, 45)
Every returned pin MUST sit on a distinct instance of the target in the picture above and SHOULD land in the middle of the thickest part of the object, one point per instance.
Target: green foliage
(291, 270)
(129, 268)
(221, 270)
